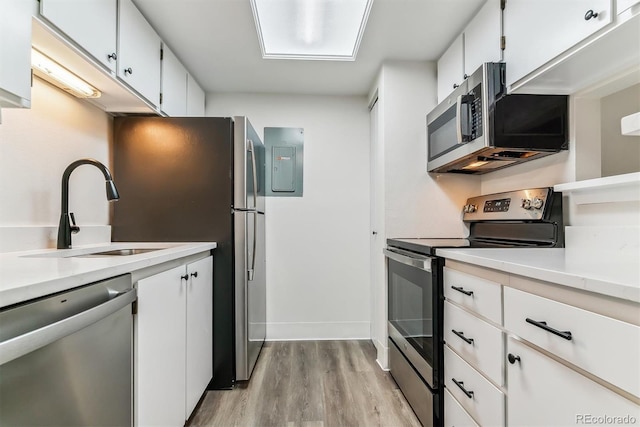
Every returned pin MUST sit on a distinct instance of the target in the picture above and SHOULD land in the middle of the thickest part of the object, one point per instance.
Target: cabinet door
(160, 349)
(199, 331)
(90, 23)
(138, 53)
(174, 85)
(195, 98)
(15, 53)
(450, 68)
(454, 413)
(622, 5)
(543, 392)
(536, 32)
(482, 37)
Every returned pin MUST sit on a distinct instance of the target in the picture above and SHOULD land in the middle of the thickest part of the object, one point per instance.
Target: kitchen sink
(95, 252)
(118, 252)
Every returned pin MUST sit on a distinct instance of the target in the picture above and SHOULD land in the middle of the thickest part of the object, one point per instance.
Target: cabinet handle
(513, 358)
(185, 277)
(590, 14)
(543, 325)
(455, 85)
(112, 56)
(461, 290)
(194, 274)
(460, 384)
(462, 337)
(128, 71)
(466, 76)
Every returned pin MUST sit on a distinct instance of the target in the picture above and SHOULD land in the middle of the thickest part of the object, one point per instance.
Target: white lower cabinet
(478, 342)
(173, 363)
(543, 392)
(454, 413)
(481, 399)
(561, 363)
(580, 337)
(199, 331)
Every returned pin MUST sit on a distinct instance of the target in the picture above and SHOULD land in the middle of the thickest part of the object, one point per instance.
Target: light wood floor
(311, 384)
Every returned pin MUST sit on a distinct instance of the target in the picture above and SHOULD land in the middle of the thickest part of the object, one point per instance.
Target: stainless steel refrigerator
(202, 179)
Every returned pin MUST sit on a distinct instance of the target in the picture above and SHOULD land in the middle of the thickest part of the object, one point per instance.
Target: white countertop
(33, 274)
(619, 278)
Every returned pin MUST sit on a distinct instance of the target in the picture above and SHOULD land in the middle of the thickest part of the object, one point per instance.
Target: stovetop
(428, 246)
(514, 219)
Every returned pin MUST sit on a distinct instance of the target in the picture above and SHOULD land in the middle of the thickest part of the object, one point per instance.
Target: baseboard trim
(304, 331)
(382, 354)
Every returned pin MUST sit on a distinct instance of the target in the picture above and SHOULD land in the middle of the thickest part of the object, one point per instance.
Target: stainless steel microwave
(479, 128)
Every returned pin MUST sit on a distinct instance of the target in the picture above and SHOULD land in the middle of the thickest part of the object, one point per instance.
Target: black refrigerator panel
(175, 178)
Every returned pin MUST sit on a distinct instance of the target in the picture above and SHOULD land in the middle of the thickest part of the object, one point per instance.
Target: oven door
(413, 310)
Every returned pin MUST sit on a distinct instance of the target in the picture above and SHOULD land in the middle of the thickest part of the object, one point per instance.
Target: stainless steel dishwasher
(66, 359)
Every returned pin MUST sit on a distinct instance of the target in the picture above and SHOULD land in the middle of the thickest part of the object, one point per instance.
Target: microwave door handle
(459, 119)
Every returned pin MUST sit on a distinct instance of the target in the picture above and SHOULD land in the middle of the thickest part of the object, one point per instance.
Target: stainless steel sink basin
(118, 252)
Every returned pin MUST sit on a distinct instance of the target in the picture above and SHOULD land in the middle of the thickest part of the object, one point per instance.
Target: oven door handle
(413, 260)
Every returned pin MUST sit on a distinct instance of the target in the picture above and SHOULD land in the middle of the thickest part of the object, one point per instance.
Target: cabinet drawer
(543, 392)
(479, 295)
(485, 402)
(454, 413)
(478, 342)
(608, 348)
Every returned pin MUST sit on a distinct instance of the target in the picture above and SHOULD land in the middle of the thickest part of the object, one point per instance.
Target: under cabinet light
(310, 29)
(49, 70)
(476, 165)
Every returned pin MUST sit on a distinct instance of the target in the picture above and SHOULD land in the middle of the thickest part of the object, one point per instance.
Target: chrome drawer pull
(460, 384)
(461, 290)
(543, 325)
(461, 336)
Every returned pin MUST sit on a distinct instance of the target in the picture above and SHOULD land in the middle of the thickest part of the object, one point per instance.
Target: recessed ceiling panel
(310, 29)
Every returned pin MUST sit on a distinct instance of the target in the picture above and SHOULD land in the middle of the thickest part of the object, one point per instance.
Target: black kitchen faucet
(65, 228)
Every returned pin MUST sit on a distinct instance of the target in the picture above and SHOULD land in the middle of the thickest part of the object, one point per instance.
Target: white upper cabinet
(537, 32)
(482, 37)
(15, 53)
(195, 98)
(623, 5)
(451, 68)
(174, 85)
(138, 53)
(479, 43)
(92, 24)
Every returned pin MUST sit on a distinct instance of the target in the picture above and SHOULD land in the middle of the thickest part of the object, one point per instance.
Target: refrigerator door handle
(255, 243)
(255, 176)
(255, 204)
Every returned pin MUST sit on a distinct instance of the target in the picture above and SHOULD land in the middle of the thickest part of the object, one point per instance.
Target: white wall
(412, 203)
(417, 204)
(317, 245)
(36, 145)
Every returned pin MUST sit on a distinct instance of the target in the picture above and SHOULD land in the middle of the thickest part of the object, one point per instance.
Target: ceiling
(216, 40)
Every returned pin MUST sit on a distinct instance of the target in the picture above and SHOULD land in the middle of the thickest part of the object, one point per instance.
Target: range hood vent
(491, 159)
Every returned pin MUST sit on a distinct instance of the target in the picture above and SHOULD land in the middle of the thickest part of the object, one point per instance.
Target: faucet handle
(74, 228)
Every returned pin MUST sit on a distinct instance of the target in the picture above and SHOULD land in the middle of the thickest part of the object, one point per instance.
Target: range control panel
(513, 205)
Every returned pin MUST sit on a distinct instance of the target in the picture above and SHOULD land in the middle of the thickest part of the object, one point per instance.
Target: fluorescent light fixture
(49, 70)
(310, 29)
